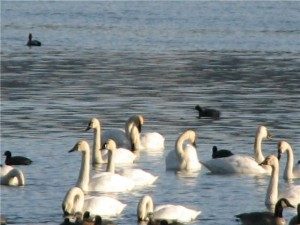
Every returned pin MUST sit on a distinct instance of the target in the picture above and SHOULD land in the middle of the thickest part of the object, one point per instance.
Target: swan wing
(110, 182)
(235, 164)
(152, 141)
(175, 213)
(103, 205)
(139, 176)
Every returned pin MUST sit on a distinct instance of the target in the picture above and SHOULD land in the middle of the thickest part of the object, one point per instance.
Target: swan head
(282, 146)
(110, 145)
(81, 146)
(270, 160)
(263, 132)
(191, 136)
(93, 124)
(7, 154)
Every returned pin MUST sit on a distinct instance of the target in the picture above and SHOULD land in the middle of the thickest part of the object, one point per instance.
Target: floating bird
(31, 42)
(16, 160)
(206, 112)
(220, 153)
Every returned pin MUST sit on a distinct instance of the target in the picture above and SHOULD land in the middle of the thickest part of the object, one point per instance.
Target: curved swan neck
(257, 147)
(83, 179)
(272, 191)
(73, 201)
(97, 156)
(15, 178)
(135, 139)
(145, 207)
(288, 171)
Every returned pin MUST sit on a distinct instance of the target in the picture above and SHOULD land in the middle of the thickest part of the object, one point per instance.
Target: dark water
(111, 60)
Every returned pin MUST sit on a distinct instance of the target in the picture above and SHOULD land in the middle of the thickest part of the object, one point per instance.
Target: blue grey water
(112, 60)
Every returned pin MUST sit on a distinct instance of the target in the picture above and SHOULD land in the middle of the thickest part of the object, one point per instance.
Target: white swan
(122, 155)
(11, 176)
(139, 176)
(150, 141)
(170, 213)
(184, 157)
(292, 193)
(104, 182)
(106, 206)
(239, 163)
(290, 170)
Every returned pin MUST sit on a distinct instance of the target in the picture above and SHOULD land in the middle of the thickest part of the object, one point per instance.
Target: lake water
(112, 60)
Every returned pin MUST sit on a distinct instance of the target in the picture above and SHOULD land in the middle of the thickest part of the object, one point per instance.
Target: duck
(11, 176)
(266, 218)
(290, 171)
(149, 141)
(169, 213)
(75, 201)
(16, 160)
(31, 42)
(107, 181)
(122, 155)
(296, 219)
(88, 220)
(220, 153)
(184, 157)
(291, 193)
(240, 163)
(206, 112)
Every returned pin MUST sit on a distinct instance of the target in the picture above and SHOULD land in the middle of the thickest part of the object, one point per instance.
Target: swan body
(290, 171)
(11, 176)
(122, 155)
(243, 164)
(184, 157)
(170, 213)
(266, 218)
(104, 182)
(139, 176)
(75, 201)
(292, 193)
(143, 141)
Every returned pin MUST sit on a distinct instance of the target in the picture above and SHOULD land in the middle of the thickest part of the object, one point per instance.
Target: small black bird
(220, 153)
(16, 160)
(206, 112)
(31, 42)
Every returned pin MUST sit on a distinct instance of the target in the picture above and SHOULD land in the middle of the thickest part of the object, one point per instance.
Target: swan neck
(111, 164)
(288, 171)
(258, 149)
(272, 191)
(73, 201)
(135, 139)
(83, 179)
(16, 178)
(145, 207)
(97, 157)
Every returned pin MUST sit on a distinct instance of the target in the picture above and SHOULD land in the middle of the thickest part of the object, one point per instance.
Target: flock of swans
(121, 148)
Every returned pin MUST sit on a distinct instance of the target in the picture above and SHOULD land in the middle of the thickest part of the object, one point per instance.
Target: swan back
(73, 201)
(11, 176)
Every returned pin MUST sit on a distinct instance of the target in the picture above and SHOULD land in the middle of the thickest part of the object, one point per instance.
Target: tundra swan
(266, 218)
(11, 176)
(220, 153)
(149, 141)
(16, 160)
(292, 193)
(239, 163)
(170, 213)
(122, 155)
(106, 181)
(184, 157)
(290, 170)
(106, 206)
